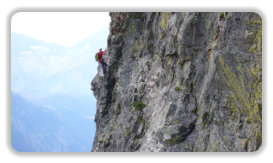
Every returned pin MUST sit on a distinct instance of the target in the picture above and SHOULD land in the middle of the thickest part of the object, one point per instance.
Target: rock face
(181, 82)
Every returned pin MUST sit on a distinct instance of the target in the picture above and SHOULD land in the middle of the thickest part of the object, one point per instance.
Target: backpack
(97, 56)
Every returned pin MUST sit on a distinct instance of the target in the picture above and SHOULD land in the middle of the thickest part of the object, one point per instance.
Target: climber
(101, 60)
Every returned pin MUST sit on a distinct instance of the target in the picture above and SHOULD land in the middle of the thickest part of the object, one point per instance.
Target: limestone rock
(181, 82)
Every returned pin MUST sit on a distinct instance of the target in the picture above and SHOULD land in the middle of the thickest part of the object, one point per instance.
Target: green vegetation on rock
(128, 132)
(165, 20)
(138, 105)
(176, 88)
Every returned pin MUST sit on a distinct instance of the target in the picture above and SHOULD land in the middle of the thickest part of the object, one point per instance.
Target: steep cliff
(181, 82)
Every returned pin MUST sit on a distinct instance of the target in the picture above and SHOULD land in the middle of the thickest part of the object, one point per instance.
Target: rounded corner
(13, 149)
(258, 150)
(259, 14)
(13, 14)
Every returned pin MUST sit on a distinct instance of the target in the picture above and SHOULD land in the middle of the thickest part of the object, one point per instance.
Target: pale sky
(65, 28)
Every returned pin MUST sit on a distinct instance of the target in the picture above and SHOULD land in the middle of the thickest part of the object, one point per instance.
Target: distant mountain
(52, 107)
(21, 43)
(38, 66)
(49, 129)
(34, 128)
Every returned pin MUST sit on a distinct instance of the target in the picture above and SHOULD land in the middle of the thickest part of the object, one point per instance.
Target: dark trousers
(103, 65)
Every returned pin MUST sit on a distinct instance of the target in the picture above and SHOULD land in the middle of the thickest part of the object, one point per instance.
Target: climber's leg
(103, 65)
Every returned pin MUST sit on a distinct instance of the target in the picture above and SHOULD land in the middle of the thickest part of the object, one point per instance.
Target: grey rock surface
(181, 82)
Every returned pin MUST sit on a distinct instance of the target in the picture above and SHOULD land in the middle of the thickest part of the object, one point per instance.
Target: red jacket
(100, 55)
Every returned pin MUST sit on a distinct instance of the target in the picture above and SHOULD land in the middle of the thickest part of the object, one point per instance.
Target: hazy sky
(56, 69)
(65, 28)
